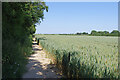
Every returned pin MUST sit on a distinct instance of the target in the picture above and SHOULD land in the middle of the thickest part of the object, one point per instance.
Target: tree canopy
(101, 33)
(18, 26)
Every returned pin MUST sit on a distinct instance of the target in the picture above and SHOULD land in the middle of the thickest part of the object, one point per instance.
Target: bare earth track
(39, 65)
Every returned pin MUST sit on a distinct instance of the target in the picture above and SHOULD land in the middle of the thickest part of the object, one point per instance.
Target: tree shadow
(37, 70)
(36, 49)
(34, 43)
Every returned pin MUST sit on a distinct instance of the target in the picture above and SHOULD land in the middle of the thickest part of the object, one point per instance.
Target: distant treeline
(101, 33)
(93, 33)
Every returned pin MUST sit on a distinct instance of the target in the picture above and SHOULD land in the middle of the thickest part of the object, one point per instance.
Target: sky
(73, 17)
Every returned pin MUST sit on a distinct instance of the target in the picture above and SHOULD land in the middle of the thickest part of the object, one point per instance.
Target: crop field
(84, 56)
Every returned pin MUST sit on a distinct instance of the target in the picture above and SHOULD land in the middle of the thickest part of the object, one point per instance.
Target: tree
(114, 33)
(78, 33)
(18, 26)
(93, 32)
(85, 33)
(106, 33)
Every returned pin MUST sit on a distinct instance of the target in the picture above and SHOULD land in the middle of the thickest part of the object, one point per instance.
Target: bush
(17, 29)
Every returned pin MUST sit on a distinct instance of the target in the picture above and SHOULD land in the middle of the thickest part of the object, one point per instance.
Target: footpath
(39, 66)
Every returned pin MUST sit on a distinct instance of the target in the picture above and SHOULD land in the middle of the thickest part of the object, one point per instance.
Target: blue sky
(72, 17)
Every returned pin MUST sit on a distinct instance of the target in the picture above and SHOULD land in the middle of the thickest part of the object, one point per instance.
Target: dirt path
(39, 65)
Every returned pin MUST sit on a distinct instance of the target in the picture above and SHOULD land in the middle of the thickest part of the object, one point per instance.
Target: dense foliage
(84, 33)
(101, 33)
(18, 25)
(84, 56)
(105, 33)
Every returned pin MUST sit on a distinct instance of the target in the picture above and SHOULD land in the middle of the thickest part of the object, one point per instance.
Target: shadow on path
(38, 70)
(39, 66)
